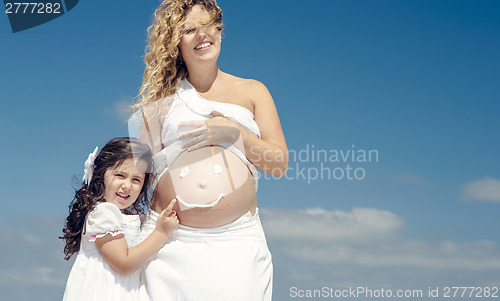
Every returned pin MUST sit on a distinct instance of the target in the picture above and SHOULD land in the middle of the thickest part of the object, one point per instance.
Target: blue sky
(417, 81)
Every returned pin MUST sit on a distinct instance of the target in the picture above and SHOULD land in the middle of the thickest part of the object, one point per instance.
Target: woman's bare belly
(201, 177)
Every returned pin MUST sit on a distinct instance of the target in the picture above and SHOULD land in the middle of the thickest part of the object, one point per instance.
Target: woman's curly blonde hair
(164, 65)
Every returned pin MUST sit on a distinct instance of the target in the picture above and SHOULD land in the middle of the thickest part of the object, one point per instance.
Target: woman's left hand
(209, 132)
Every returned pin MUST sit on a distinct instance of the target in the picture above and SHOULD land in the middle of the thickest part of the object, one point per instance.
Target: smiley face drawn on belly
(202, 178)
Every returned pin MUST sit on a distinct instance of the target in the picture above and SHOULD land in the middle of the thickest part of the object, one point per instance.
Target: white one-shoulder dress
(226, 263)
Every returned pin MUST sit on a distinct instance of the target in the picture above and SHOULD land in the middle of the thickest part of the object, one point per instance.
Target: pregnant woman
(209, 131)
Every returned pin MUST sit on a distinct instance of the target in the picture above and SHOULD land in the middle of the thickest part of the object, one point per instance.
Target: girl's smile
(123, 197)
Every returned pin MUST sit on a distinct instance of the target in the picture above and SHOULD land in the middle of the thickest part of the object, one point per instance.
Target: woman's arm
(125, 260)
(269, 153)
(150, 121)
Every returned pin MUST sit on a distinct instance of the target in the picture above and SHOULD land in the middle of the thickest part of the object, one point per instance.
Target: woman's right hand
(168, 221)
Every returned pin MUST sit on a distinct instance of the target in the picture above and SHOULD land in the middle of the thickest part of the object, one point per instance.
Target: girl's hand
(209, 132)
(168, 221)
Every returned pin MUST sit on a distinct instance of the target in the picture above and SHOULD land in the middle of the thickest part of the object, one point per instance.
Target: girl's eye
(137, 180)
(119, 175)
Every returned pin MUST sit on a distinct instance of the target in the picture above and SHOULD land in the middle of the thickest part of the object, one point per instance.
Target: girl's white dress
(91, 277)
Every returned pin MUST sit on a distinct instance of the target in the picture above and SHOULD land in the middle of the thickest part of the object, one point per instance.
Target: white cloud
(121, 110)
(32, 260)
(370, 238)
(314, 248)
(487, 189)
(319, 225)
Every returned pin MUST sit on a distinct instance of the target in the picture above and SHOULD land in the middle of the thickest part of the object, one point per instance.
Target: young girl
(108, 261)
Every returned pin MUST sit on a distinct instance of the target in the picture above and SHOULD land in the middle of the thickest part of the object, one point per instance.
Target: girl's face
(199, 42)
(123, 183)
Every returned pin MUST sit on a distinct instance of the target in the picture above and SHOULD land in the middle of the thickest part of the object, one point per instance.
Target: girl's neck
(203, 78)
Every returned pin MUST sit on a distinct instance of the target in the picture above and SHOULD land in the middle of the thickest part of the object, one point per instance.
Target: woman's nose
(201, 32)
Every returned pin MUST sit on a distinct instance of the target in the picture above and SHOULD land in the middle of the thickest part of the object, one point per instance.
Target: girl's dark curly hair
(112, 154)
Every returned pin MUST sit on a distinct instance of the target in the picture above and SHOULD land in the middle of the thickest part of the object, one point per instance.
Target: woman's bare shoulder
(251, 87)
(241, 82)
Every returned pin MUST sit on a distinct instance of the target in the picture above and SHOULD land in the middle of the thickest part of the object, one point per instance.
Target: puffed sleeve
(106, 218)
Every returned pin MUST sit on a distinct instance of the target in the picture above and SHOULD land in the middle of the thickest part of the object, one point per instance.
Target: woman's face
(199, 43)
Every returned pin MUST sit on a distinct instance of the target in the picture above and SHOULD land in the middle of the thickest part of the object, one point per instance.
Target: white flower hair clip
(89, 167)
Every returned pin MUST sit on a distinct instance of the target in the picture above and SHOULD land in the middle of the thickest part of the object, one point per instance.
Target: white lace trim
(99, 235)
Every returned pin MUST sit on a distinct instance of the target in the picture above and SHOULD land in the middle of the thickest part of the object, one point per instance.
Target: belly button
(202, 184)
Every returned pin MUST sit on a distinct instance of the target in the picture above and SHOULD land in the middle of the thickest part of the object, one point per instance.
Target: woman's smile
(203, 45)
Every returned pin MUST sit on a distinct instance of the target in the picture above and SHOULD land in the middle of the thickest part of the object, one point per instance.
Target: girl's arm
(125, 260)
